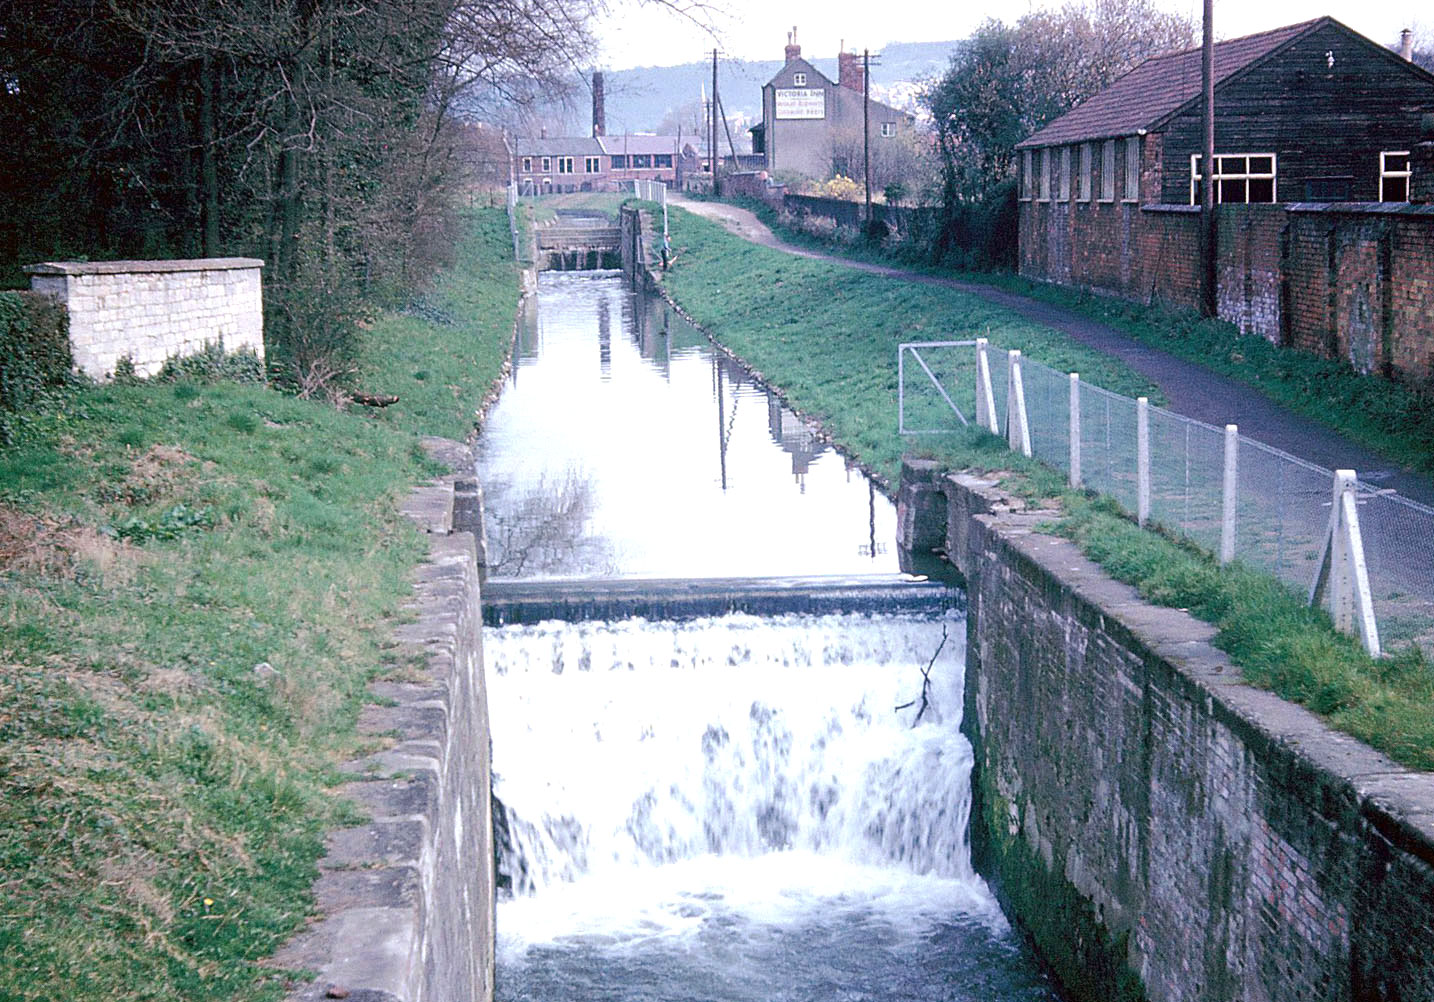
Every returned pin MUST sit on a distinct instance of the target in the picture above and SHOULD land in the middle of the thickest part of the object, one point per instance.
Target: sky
(648, 34)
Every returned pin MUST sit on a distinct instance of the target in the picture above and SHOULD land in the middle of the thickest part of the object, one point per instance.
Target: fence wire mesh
(1283, 503)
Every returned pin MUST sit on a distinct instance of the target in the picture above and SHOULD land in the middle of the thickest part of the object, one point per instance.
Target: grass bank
(827, 335)
(197, 581)
(1393, 419)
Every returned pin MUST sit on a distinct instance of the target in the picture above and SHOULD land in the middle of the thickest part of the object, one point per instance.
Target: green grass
(162, 804)
(827, 336)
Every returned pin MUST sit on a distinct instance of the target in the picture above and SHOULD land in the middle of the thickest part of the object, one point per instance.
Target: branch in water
(926, 681)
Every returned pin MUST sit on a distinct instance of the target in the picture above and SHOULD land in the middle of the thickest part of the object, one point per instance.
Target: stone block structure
(148, 311)
(1162, 829)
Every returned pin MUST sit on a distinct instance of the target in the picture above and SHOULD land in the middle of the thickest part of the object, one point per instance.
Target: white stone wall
(152, 310)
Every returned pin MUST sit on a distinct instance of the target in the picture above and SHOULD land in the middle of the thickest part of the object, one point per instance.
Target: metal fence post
(901, 389)
(1018, 428)
(1142, 460)
(1075, 430)
(985, 397)
(1230, 493)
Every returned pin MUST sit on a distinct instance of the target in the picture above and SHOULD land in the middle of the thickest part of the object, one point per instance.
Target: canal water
(734, 808)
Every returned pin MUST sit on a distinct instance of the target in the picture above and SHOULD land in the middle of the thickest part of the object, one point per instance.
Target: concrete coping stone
(143, 267)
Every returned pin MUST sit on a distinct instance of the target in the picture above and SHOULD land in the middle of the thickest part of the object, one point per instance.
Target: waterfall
(669, 765)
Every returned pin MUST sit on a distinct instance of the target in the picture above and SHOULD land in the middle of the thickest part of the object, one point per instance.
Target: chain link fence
(1277, 518)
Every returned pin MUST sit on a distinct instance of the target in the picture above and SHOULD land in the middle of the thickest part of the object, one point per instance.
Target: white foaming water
(662, 777)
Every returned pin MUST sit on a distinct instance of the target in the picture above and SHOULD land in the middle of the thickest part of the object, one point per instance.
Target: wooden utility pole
(866, 129)
(713, 147)
(1209, 234)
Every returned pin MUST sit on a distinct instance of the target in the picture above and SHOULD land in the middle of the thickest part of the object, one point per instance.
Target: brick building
(813, 126)
(1325, 237)
(582, 163)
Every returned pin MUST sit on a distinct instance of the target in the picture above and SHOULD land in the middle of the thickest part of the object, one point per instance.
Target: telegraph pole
(713, 147)
(866, 129)
(1209, 234)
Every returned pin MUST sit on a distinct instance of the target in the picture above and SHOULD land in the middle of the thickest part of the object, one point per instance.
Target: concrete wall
(1162, 830)
(1342, 280)
(407, 900)
(152, 310)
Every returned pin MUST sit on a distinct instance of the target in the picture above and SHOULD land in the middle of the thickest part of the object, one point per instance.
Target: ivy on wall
(34, 356)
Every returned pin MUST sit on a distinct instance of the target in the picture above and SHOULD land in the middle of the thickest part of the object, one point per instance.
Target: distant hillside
(658, 98)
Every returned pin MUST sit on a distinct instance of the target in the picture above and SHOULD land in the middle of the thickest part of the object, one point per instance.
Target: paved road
(1191, 390)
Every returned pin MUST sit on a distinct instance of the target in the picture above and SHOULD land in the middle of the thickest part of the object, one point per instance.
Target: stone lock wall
(1161, 829)
(407, 900)
(152, 310)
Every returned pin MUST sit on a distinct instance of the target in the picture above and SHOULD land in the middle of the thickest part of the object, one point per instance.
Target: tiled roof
(1158, 87)
(618, 145)
(560, 146)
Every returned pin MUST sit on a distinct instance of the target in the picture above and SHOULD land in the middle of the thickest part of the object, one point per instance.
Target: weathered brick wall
(1162, 830)
(151, 310)
(1353, 281)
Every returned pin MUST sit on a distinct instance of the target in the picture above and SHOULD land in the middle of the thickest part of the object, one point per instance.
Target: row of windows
(1096, 166)
(593, 165)
(1243, 178)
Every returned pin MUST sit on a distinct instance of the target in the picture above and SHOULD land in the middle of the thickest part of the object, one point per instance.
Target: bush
(35, 358)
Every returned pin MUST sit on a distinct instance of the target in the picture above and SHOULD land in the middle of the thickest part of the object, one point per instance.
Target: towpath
(1190, 389)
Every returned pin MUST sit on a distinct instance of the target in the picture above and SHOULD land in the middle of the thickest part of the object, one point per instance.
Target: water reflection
(611, 470)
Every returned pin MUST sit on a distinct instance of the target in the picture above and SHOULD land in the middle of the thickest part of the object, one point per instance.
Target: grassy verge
(1392, 419)
(827, 336)
(197, 580)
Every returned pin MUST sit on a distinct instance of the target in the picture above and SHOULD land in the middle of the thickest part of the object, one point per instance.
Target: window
(547, 164)
(642, 159)
(1045, 175)
(1065, 180)
(888, 129)
(527, 165)
(592, 165)
(1085, 155)
(619, 161)
(1028, 179)
(799, 79)
(1394, 176)
(1107, 171)
(662, 160)
(1239, 178)
(565, 165)
(1132, 169)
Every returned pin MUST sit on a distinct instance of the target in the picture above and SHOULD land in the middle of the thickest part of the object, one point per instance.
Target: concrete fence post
(1230, 494)
(1075, 430)
(1018, 428)
(1142, 460)
(1342, 571)
(985, 397)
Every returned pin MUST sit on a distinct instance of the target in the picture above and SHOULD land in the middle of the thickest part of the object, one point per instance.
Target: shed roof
(1159, 87)
(559, 146)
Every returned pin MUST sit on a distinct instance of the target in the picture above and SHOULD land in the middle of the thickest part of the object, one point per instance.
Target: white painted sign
(802, 102)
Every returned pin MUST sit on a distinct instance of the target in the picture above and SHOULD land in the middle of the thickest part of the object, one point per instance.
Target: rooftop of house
(1161, 86)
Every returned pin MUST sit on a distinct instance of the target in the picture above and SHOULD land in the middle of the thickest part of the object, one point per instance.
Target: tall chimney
(1406, 45)
(599, 108)
(850, 72)
(794, 51)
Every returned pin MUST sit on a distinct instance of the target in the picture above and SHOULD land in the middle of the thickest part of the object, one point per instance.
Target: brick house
(1319, 171)
(813, 126)
(600, 163)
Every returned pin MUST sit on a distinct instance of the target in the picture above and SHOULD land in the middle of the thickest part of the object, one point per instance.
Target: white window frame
(1028, 177)
(565, 165)
(527, 165)
(1045, 188)
(799, 79)
(1132, 169)
(1107, 171)
(888, 129)
(592, 165)
(1385, 174)
(547, 165)
(1247, 176)
(1083, 191)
